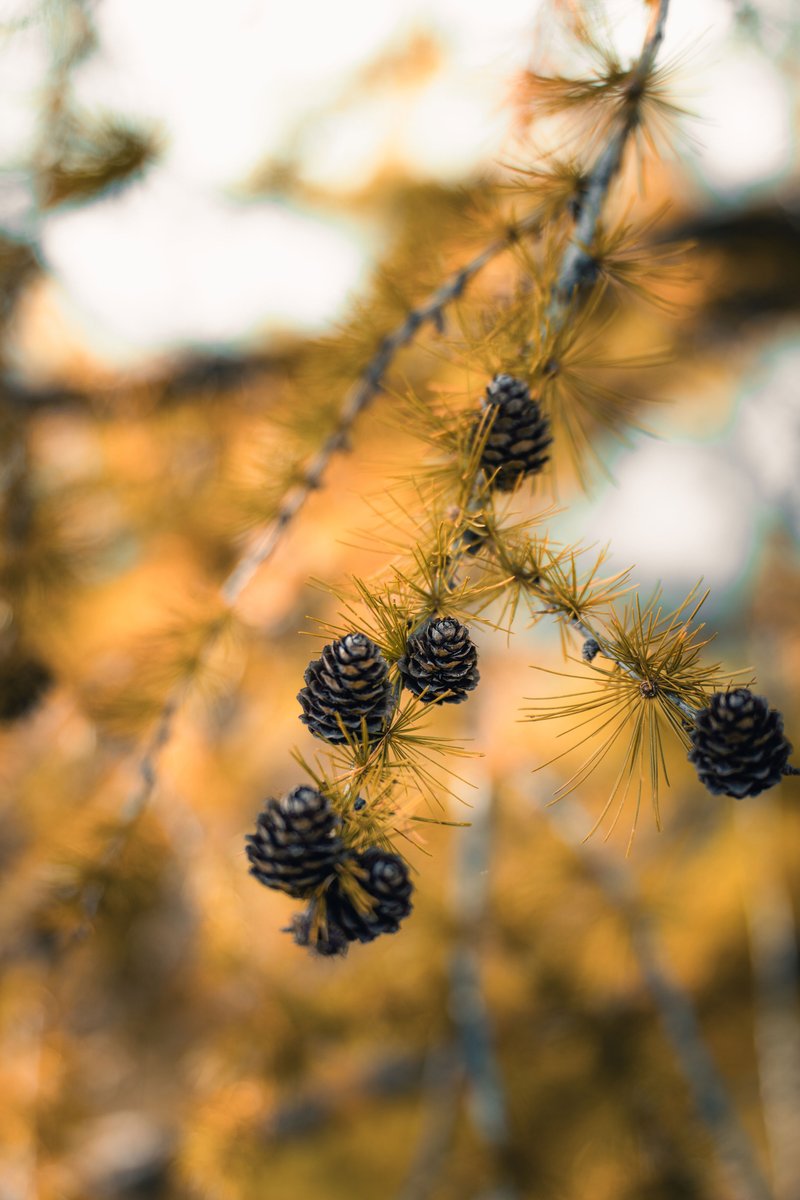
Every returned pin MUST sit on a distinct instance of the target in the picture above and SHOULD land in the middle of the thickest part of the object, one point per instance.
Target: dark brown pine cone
(350, 682)
(590, 649)
(738, 744)
(326, 940)
(472, 541)
(519, 436)
(383, 876)
(440, 662)
(295, 848)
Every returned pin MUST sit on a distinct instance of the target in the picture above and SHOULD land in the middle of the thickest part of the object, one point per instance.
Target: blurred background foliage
(175, 345)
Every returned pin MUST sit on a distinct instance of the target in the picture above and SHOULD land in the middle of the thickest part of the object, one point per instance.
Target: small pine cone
(590, 649)
(384, 878)
(738, 744)
(472, 541)
(440, 659)
(295, 848)
(23, 682)
(517, 442)
(327, 940)
(349, 682)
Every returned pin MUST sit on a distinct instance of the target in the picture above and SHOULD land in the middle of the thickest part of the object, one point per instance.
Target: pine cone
(295, 848)
(590, 650)
(384, 878)
(23, 682)
(738, 744)
(517, 442)
(328, 940)
(440, 662)
(472, 541)
(349, 682)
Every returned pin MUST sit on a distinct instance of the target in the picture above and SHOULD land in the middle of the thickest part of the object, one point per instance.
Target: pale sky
(178, 257)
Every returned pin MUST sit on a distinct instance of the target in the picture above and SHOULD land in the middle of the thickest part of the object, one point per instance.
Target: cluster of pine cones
(353, 897)
(348, 696)
(300, 845)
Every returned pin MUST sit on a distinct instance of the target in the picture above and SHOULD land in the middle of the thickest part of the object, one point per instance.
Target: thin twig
(578, 255)
(606, 649)
(711, 1097)
(358, 398)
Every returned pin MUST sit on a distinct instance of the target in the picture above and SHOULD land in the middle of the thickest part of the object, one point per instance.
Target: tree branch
(773, 949)
(266, 542)
(578, 253)
(468, 1005)
(709, 1093)
(370, 382)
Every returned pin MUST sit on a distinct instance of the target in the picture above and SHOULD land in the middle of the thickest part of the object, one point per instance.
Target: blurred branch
(394, 1075)
(578, 259)
(92, 894)
(773, 947)
(468, 1007)
(358, 398)
(370, 382)
(578, 256)
(441, 1085)
(712, 1100)
(266, 542)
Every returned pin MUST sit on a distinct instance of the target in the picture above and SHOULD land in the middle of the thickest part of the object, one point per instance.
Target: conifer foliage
(405, 645)
(148, 706)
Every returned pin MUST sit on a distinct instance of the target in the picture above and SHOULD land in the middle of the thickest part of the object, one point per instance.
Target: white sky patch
(24, 62)
(667, 517)
(767, 433)
(161, 264)
(746, 136)
(236, 85)
(230, 82)
(451, 129)
(343, 149)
